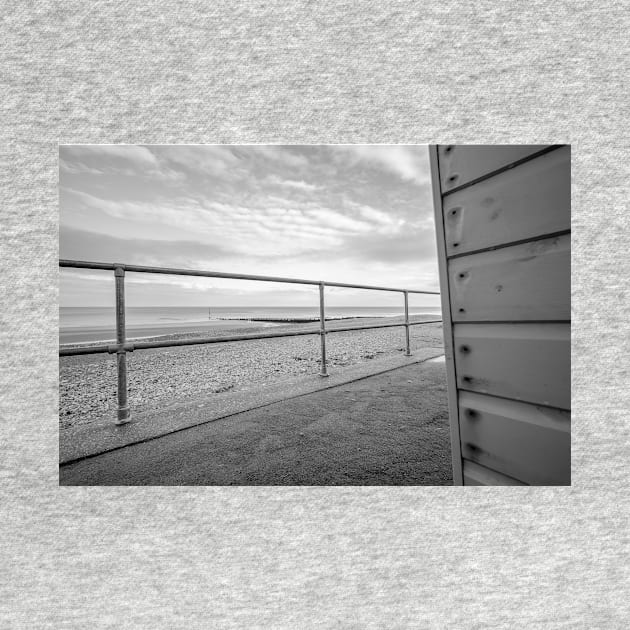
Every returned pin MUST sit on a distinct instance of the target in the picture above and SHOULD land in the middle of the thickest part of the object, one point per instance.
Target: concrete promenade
(386, 429)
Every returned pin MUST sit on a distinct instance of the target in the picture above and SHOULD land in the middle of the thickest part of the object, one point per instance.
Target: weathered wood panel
(530, 281)
(527, 442)
(503, 221)
(460, 164)
(476, 475)
(530, 200)
(526, 362)
(448, 331)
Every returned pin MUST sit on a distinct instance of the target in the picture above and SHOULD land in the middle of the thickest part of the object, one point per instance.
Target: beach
(94, 334)
(164, 376)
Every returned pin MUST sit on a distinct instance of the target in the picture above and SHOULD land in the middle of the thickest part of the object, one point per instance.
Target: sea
(97, 324)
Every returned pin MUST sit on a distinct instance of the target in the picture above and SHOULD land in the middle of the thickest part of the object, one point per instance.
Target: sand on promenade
(163, 376)
(391, 429)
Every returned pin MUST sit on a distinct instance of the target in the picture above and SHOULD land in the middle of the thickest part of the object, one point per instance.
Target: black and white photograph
(317, 315)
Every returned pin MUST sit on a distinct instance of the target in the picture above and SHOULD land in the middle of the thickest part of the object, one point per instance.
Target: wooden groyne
(285, 320)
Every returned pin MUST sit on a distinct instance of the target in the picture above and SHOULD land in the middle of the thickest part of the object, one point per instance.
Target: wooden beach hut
(503, 219)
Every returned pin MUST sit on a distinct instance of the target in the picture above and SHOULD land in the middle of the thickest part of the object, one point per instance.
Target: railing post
(121, 356)
(408, 346)
(322, 330)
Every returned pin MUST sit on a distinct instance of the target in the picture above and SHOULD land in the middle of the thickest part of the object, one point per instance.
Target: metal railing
(121, 347)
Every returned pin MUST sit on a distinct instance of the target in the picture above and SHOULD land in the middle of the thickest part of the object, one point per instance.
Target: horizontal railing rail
(122, 346)
(195, 341)
(83, 264)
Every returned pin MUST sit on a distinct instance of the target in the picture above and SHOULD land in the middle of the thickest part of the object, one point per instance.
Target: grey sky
(349, 213)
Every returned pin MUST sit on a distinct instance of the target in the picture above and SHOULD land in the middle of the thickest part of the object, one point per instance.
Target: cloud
(125, 160)
(383, 222)
(344, 213)
(177, 215)
(207, 159)
(270, 227)
(280, 155)
(291, 183)
(127, 152)
(412, 246)
(77, 168)
(331, 219)
(76, 244)
(410, 163)
(263, 229)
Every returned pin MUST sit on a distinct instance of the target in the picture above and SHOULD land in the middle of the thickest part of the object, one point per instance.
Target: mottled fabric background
(314, 72)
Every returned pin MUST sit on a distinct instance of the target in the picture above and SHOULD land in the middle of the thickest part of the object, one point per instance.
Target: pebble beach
(164, 376)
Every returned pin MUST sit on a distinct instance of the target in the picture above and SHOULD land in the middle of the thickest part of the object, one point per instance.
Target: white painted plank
(527, 442)
(531, 281)
(461, 163)
(530, 200)
(526, 362)
(476, 475)
(447, 325)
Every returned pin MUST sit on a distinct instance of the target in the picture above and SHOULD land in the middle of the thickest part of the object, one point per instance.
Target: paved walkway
(387, 429)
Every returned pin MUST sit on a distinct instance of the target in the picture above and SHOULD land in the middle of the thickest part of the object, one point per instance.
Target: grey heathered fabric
(314, 72)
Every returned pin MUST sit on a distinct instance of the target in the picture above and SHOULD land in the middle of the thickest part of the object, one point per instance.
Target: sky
(346, 213)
